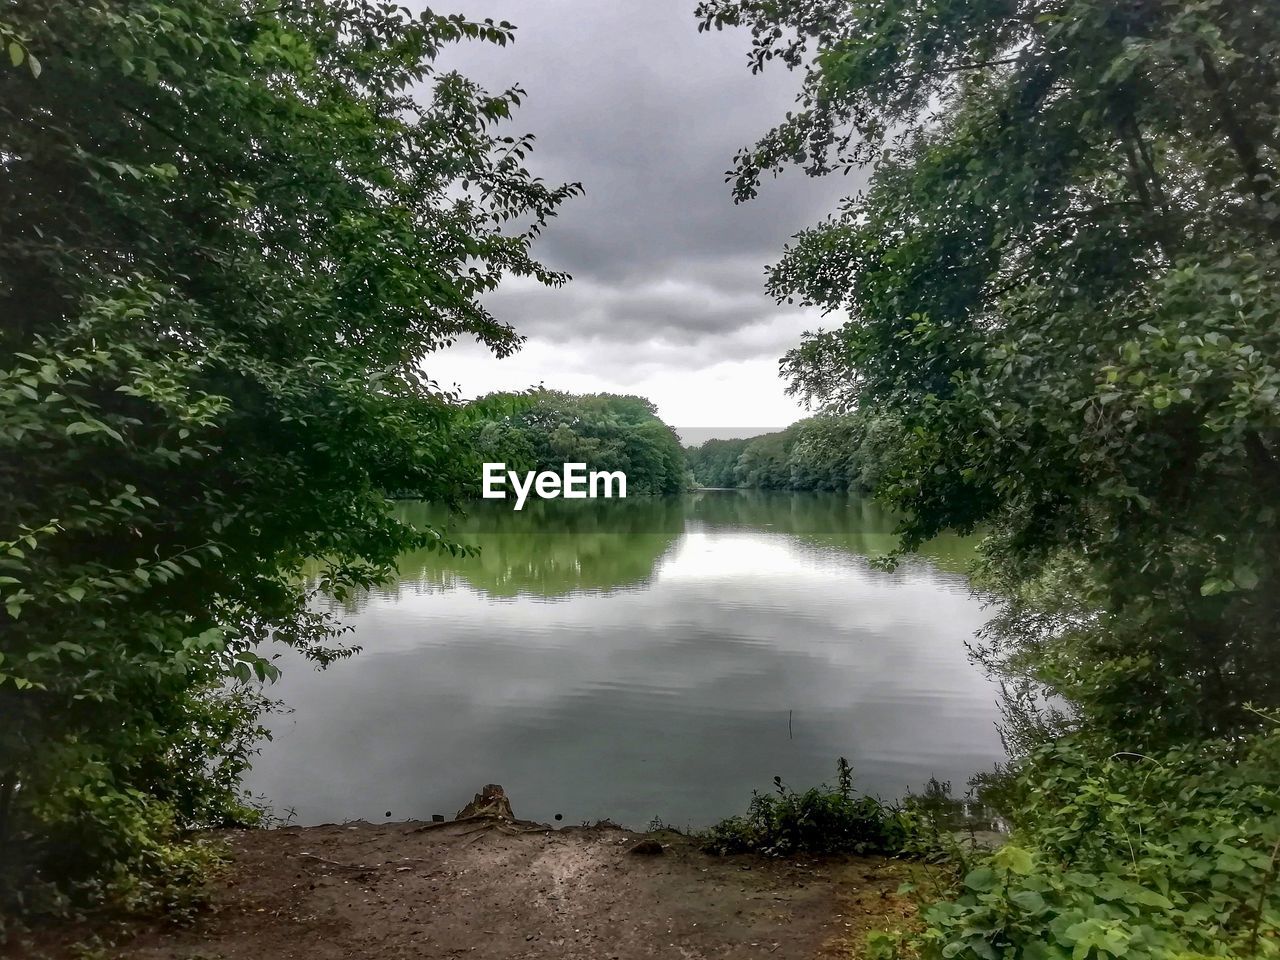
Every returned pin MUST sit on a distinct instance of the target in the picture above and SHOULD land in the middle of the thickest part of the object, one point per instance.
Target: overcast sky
(667, 297)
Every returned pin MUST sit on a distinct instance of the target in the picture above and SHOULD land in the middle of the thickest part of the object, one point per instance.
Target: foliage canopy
(545, 429)
(231, 232)
(833, 452)
(1062, 284)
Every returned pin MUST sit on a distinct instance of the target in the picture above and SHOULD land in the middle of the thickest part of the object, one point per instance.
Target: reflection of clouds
(752, 587)
(669, 701)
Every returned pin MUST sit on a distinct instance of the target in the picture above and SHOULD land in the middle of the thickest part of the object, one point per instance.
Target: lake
(641, 658)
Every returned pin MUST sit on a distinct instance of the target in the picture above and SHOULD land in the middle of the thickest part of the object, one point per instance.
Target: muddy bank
(492, 889)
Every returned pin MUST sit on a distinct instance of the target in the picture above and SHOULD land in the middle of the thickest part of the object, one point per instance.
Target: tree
(1062, 281)
(839, 452)
(1062, 284)
(544, 429)
(712, 462)
(765, 461)
(231, 233)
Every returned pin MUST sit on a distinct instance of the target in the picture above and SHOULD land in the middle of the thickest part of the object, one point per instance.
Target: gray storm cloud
(668, 288)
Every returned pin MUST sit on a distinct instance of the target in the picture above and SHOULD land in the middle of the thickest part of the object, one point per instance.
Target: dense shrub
(820, 820)
(1172, 855)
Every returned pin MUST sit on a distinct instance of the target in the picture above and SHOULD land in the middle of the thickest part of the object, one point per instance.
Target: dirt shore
(495, 890)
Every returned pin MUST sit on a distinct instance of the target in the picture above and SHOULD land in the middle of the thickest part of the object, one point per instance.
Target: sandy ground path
(485, 891)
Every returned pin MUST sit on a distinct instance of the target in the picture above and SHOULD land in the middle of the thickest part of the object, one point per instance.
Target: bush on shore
(821, 820)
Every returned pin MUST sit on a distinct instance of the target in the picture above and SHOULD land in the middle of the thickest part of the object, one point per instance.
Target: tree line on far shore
(544, 429)
(830, 452)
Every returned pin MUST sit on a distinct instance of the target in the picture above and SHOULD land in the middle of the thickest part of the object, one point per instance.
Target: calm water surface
(638, 659)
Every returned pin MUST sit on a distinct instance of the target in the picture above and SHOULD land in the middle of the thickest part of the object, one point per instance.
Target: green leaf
(1029, 901)
(1150, 898)
(1245, 577)
(980, 880)
(1229, 863)
(1014, 859)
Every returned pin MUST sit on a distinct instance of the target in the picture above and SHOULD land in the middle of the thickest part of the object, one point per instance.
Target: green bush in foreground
(1166, 856)
(821, 820)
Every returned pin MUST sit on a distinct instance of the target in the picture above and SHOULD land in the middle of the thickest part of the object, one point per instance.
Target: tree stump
(490, 802)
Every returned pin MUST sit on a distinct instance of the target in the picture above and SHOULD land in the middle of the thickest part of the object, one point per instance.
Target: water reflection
(552, 548)
(642, 662)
